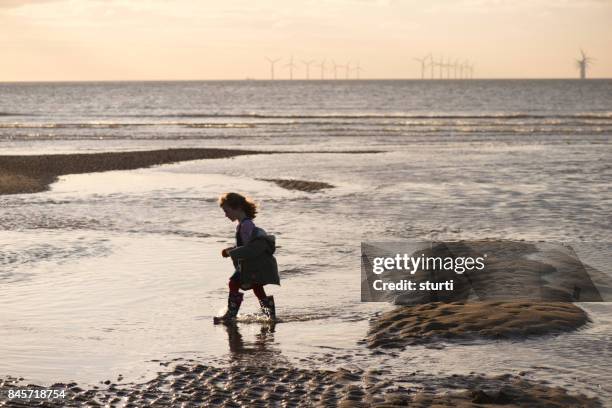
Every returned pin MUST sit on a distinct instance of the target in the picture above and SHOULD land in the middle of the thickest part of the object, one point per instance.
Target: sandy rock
(510, 320)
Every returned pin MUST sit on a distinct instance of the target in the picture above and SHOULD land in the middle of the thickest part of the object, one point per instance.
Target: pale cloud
(19, 3)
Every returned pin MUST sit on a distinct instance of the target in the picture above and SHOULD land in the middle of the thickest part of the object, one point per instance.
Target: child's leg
(234, 299)
(234, 286)
(259, 292)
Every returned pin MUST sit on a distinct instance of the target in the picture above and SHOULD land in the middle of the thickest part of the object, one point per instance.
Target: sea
(113, 273)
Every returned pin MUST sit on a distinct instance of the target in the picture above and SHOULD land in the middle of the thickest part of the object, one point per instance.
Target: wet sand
(427, 323)
(32, 174)
(300, 185)
(268, 384)
(18, 183)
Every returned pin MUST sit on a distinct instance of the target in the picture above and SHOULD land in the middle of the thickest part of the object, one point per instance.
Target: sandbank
(418, 324)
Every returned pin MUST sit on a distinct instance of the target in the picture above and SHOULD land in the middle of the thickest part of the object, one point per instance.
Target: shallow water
(111, 273)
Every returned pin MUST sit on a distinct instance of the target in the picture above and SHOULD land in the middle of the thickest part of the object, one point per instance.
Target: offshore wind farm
(448, 70)
(430, 67)
(352, 70)
(333, 71)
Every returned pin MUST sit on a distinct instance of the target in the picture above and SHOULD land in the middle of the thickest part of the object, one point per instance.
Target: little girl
(254, 262)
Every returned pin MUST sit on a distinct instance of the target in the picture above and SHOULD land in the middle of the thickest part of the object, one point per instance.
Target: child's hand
(225, 252)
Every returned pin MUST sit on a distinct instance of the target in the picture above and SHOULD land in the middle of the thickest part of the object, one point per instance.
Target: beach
(239, 382)
(111, 267)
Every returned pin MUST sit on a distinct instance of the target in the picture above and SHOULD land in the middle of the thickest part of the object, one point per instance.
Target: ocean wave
(219, 125)
(343, 123)
(604, 115)
(501, 115)
(397, 135)
(17, 125)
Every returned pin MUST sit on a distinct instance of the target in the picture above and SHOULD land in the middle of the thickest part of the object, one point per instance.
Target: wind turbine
(272, 62)
(448, 66)
(440, 64)
(322, 65)
(308, 63)
(455, 66)
(358, 69)
(423, 64)
(336, 66)
(466, 67)
(291, 65)
(431, 65)
(583, 64)
(347, 68)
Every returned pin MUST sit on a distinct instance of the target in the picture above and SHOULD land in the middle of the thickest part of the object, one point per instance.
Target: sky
(80, 40)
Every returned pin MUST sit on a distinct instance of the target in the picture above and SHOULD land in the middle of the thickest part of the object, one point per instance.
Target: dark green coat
(256, 261)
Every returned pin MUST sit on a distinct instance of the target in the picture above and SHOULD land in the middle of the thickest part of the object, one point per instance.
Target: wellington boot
(234, 300)
(268, 308)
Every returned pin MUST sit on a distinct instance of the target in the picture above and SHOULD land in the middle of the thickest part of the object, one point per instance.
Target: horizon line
(304, 80)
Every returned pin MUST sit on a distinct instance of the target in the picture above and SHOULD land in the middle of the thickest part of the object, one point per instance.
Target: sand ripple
(265, 384)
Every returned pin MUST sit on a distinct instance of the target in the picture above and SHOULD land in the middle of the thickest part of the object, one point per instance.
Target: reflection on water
(262, 346)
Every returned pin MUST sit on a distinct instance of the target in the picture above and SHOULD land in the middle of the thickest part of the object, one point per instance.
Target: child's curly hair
(238, 201)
